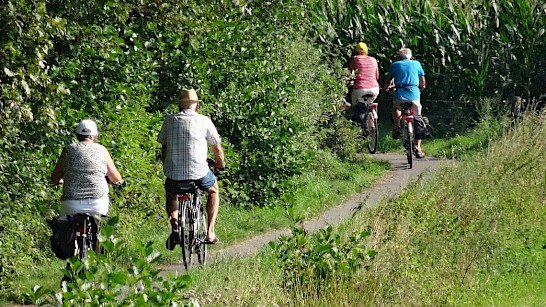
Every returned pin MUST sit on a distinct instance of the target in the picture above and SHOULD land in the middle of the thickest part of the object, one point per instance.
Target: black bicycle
(408, 136)
(367, 117)
(192, 224)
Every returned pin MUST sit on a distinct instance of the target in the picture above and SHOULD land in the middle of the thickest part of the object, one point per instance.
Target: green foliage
(317, 262)
(339, 136)
(479, 48)
(271, 89)
(98, 280)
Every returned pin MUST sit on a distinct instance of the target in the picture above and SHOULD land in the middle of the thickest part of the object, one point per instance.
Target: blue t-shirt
(406, 75)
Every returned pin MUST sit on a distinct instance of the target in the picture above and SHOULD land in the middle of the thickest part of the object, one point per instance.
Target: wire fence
(448, 117)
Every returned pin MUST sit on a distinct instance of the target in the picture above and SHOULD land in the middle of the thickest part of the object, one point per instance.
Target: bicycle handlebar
(211, 161)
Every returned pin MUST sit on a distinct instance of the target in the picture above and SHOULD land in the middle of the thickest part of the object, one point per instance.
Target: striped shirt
(366, 69)
(187, 135)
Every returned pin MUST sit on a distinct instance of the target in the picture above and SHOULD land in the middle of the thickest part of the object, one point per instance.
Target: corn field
(471, 48)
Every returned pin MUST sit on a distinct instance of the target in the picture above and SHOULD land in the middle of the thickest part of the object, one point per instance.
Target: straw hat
(189, 96)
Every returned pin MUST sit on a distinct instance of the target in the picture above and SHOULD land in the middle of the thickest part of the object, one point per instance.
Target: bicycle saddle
(185, 186)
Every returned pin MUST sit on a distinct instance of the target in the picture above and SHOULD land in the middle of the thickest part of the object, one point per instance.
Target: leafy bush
(317, 262)
(98, 280)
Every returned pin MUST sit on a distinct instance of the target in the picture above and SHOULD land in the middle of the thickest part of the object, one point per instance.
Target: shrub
(98, 280)
(316, 262)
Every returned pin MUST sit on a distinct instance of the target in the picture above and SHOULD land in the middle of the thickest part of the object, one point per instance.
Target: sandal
(212, 241)
(419, 154)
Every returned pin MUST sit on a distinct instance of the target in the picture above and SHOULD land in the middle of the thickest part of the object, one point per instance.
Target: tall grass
(481, 219)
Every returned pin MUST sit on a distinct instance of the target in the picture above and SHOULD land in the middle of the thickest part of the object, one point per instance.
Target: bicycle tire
(409, 144)
(183, 230)
(84, 239)
(201, 247)
(373, 136)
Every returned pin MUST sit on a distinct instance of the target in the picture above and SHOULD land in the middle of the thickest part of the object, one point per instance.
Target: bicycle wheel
(82, 250)
(373, 134)
(409, 143)
(183, 230)
(201, 247)
(83, 238)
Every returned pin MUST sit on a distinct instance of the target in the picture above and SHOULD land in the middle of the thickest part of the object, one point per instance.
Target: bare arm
(163, 152)
(388, 84)
(422, 82)
(111, 170)
(58, 172)
(218, 156)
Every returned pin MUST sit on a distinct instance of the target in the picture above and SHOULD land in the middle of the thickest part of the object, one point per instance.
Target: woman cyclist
(366, 72)
(81, 169)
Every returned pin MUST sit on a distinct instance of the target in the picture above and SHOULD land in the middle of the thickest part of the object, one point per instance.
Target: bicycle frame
(86, 235)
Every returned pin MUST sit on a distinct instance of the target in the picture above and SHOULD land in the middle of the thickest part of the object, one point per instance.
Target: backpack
(423, 129)
(63, 236)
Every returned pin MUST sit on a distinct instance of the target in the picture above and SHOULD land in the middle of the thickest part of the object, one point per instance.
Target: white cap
(87, 127)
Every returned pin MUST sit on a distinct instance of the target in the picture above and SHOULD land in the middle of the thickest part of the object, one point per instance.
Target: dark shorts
(205, 183)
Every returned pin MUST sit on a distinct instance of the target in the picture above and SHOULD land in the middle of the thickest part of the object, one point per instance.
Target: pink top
(366, 72)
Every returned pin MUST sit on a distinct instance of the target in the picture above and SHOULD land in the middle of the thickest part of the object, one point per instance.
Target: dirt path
(389, 186)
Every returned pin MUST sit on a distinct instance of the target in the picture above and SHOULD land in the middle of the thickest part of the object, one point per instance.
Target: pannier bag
(63, 236)
(423, 129)
(360, 113)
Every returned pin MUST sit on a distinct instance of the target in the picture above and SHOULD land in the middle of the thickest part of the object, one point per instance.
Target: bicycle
(192, 225)
(87, 228)
(406, 125)
(366, 117)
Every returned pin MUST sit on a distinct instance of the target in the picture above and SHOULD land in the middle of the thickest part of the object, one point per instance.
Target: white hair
(405, 53)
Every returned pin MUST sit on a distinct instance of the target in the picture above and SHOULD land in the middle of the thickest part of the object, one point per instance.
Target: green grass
(512, 290)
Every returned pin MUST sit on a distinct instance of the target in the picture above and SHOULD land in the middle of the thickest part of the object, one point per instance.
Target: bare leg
(213, 203)
(171, 206)
(396, 116)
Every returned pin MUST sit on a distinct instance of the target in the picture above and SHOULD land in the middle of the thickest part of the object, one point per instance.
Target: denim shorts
(203, 184)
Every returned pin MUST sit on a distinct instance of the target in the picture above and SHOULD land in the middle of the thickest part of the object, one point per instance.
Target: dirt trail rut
(389, 186)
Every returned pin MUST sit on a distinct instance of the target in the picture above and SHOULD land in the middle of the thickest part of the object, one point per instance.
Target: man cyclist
(408, 77)
(185, 137)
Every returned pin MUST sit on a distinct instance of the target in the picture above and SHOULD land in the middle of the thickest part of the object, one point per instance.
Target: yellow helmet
(362, 48)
